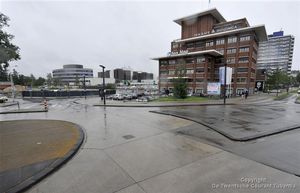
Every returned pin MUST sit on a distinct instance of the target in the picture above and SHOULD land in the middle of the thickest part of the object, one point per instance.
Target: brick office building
(207, 41)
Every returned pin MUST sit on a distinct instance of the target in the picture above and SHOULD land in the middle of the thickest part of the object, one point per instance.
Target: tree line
(20, 79)
(278, 79)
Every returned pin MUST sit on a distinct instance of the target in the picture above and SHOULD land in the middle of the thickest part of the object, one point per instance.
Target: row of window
(241, 60)
(202, 70)
(199, 60)
(220, 41)
(232, 39)
(238, 80)
(233, 50)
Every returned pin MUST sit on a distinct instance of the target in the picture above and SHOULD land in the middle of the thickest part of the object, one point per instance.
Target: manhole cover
(128, 136)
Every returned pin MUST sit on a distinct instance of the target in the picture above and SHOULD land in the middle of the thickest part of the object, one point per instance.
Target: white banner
(222, 75)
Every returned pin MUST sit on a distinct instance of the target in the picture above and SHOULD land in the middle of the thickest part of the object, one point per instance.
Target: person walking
(246, 94)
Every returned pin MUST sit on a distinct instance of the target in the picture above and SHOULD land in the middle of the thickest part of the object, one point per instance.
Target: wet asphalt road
(243, 122)
(142, 145)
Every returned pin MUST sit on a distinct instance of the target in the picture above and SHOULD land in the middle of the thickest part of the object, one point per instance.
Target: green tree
(110, 86)
(277, 80)
(49, 79)
(40, 81)
(8, 51)
(180, 84)
(56, 82)
(298, 78)
(27, 80)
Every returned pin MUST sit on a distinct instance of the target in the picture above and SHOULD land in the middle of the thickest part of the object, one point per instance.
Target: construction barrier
(46, 105)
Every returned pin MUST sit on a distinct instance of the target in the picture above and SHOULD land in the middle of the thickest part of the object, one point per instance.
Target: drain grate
(128, 136)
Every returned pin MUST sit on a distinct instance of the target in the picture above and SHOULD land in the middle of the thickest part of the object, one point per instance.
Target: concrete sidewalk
(34, 110)
(31, 149)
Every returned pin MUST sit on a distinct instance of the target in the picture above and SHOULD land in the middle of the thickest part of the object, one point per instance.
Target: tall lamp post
(13, 88)
(225, 78)
(84, 87)
(103, 83)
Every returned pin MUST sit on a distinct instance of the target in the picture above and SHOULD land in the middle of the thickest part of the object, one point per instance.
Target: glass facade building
(277, 52)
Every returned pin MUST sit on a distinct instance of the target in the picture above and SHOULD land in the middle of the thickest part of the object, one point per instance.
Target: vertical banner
(222, 75)
(213, 88)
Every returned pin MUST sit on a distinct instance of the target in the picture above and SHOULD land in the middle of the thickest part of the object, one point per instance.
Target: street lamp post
(225, 77)
(12, 87)
(103, 83)
(84, 87)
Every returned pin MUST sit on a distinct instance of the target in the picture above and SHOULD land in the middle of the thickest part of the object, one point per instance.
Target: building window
(241, 80)
(163, 63)
(171, 72)
(244, 60)
(231, 51)
(171, 62)
(190, 60)
(209, 43)
(200, 44)
(230, 60)
(163, 72)
(199, 80)
(244, 38)
(242, 70)
(232, 39)
(199, 70)
(220, 41)
(200, 60)
(163, 80)
(244, 49)
(190, 45)
(190, 71)
(175, 45)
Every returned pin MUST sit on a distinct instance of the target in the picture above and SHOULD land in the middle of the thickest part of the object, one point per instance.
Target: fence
(64, 93)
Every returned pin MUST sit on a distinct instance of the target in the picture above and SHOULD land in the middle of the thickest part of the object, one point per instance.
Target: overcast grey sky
(123, 33)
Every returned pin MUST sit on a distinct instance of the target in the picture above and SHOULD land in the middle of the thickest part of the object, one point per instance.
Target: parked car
(3, 98)
(118, 97)
(109, 97)
(149, 98)
(142, 99)
(128, 97)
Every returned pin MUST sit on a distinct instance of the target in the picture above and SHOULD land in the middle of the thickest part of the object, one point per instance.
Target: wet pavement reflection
(243, 122)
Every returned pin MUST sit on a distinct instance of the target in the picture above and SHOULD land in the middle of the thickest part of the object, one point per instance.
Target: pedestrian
(243, 94)
(246, 94)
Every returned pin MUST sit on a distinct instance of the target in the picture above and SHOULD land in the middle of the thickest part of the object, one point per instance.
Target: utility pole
(103, 83)
(225, 77)
(84, 87)
(12, 87)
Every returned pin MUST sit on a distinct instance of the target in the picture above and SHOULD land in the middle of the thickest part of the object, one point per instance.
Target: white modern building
(72, 73)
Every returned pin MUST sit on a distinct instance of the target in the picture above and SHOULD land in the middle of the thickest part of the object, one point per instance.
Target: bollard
(45, 105)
